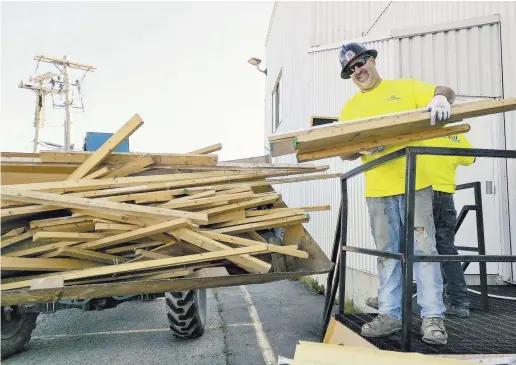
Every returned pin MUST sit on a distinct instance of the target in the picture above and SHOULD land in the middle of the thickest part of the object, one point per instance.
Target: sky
(182, 66)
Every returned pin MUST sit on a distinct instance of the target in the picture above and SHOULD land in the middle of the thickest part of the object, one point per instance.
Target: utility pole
(36, 84)
(63, 65)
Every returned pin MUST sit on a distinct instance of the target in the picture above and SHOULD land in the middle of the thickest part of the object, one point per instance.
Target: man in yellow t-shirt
(443, 170)
(385, 192)
(445, 217)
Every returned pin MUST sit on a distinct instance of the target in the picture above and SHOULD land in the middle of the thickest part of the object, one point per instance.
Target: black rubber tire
(186, 312)
(17, 332)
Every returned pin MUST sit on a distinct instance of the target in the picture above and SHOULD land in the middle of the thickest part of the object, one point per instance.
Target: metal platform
(493, 332)
(489, 329)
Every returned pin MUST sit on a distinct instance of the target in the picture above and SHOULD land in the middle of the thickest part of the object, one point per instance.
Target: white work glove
(439, 108)
(372, 151)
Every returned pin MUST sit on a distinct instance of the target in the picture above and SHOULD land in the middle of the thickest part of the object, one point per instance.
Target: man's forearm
(446, 92)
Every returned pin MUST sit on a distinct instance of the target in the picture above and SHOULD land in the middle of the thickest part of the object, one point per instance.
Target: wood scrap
(109, 146)
(355, 135)
(144, 216)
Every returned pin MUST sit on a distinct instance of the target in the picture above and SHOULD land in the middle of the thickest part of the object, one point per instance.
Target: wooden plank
(12, 240)
(69, 227)
(122, 218)
(206, 150)
(145, 265)
(310, 208)
(41, 249)
(137, 233)
(13, 233)
(107, 147)
(16, 212)
(188, 198)
(248, 263)
(352, 149)
(154, 196)
(261, 218)
(97, 205)
(320, 353)
(102, 172)
(338, 334)
(120, 158)
(90, 255)
(273, 223)
(131, 248)
(194, 201)
(115, 227)
(240, 189)
(38, 264)
(283, 144)
(231, 216)
(232, 239)
(150, 254)
(271, 198)
(86, 185)
(68, 236)
(163, 274)
(58, 221)
(390, 126)
(131, 167)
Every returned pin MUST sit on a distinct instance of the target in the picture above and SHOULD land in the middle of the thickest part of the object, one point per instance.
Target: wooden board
(353, 148)
(96, 205)
(118, 158)
(109, 146)
(38, 264)
(364, 129)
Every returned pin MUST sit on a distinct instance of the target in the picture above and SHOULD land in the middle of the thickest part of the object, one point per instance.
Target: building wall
(300, 42)
(337, 22)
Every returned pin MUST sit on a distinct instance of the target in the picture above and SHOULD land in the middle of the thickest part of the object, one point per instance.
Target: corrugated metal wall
(406, 14)
(451, 57)
(333, 23)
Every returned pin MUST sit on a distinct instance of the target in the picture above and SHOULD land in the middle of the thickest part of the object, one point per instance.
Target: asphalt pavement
(246, 325)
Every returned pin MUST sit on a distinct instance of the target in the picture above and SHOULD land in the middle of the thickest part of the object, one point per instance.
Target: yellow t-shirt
(442, 168)
(391, 96)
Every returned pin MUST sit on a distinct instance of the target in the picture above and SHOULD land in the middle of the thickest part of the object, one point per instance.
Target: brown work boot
(383, 325)
(433, 331)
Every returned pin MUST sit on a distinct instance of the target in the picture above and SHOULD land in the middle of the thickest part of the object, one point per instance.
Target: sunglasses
(361, 62)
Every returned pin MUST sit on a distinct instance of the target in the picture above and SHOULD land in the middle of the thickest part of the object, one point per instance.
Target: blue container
(94, 140)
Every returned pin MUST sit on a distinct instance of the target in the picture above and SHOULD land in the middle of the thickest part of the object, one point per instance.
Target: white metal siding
(325, 23)
(452, 58)
(339, 20)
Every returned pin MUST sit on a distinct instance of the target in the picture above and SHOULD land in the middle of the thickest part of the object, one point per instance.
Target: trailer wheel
(17, 327)
(186, 312)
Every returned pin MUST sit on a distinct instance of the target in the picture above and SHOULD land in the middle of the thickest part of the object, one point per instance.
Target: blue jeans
(445, 217)
(387, 216)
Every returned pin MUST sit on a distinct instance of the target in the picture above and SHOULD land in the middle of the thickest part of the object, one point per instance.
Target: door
(469, 61)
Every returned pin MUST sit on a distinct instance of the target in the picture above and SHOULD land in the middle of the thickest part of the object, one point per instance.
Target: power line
(50, 83)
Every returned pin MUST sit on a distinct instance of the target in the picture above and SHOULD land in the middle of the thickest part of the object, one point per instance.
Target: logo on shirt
(392, 98)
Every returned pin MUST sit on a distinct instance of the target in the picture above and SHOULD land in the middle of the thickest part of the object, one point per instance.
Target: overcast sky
(182, 66)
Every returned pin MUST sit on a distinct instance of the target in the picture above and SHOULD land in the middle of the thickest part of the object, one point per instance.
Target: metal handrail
(406, 256)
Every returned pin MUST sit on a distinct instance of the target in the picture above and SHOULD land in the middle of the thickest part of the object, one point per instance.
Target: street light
(256, 62)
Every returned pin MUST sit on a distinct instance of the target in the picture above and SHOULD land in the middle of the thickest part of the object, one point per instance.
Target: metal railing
(406, 256)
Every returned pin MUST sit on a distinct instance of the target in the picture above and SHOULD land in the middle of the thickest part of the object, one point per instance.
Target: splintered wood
(346, 139)
(99, 217)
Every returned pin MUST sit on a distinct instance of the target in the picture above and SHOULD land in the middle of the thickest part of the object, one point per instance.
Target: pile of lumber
(311, 353)
(349, 138)
(136, 216)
